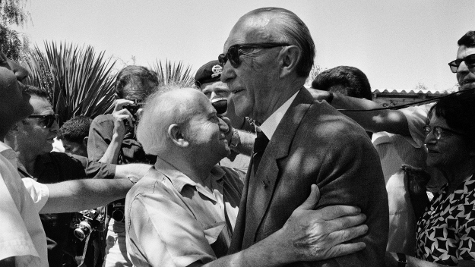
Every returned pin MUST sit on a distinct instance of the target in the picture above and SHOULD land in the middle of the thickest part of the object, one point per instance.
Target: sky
(398, 44)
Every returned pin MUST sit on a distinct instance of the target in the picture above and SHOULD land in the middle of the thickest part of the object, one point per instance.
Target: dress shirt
(270, 125)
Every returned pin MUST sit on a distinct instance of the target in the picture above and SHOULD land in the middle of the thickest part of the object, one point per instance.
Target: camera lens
(118, 215)
(83, 230)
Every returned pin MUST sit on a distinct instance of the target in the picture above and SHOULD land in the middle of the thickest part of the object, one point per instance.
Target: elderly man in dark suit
(267, 58)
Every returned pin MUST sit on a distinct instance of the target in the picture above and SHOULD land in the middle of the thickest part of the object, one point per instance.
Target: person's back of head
(74, 134)
(135, 82)
(346, 80)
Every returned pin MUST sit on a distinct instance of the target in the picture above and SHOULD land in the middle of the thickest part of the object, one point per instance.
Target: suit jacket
(314, 143)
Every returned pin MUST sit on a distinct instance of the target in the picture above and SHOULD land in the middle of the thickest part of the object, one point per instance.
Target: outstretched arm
(77, 195)
(392, 121)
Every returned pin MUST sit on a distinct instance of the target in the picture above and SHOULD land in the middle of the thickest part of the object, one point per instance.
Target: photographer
(112, 140)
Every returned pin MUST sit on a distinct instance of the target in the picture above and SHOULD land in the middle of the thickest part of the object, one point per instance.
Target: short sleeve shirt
(446, 231)
(171, 220)
(22, 234)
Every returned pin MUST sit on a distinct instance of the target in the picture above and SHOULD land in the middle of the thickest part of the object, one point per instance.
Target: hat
(209, 72)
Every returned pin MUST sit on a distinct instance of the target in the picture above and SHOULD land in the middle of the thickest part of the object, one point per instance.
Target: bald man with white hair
(183, 212)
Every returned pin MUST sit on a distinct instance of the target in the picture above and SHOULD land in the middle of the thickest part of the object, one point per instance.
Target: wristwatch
(235, 139)
(401, 260)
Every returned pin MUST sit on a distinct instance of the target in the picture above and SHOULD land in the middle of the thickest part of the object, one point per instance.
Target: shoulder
(102, 121)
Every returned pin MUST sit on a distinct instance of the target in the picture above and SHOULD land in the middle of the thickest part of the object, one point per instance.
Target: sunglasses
(46, 120)
(236, 50)
(220, 104)
(439, 131)
(469, 61)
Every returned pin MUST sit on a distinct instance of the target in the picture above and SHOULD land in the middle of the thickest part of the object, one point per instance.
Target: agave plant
(78, 81)
(173, 74)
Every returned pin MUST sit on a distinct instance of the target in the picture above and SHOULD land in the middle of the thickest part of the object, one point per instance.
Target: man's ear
(175, 132)
(290, 56)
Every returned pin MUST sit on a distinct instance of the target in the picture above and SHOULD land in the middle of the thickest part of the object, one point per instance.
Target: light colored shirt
(269, 126)
(172, 220)
(22, 235)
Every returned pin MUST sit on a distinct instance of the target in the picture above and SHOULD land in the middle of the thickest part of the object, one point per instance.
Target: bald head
(162, 110)
(277, 25)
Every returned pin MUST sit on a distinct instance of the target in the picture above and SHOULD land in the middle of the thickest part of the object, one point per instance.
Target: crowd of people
(247, 168)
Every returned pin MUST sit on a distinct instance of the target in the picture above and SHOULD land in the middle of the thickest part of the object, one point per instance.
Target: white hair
(162, 109)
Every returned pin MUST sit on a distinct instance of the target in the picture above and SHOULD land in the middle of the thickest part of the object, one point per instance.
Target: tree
(173, 74)
(12, 43)
(316, 69)
(79, 81)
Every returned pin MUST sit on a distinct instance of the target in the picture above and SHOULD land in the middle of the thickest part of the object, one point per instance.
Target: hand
(313, 235)
(120, 115)
(318, 94)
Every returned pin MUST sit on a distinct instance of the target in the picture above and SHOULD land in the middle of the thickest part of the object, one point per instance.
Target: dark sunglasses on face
(469, 61)
(439, 131)
(236, 50)
(46, 120)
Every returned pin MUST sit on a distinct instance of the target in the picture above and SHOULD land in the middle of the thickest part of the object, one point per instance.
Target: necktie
(259, 146)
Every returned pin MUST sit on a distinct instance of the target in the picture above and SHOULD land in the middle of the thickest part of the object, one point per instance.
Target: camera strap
(83, 257)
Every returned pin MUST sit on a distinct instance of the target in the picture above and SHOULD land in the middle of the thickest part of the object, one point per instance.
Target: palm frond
(79, 81)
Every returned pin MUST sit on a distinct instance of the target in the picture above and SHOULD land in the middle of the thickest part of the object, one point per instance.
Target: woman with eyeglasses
(446, 231)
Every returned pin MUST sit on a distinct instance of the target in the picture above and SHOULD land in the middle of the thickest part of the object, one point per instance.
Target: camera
(133, 108)
(220, 104)
(118, 213)
(92, 220)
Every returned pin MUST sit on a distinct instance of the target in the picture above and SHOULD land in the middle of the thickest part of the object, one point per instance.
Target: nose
(20, 72)
(430, 139)
(462, 68)
(228, 73)
(223, 126)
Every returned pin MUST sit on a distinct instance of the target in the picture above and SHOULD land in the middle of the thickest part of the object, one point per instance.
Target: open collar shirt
(173, 220)
(22, 234)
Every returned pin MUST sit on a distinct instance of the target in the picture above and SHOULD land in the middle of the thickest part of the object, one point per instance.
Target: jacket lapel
(262, 186)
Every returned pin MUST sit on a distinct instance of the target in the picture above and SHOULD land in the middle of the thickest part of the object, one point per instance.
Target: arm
(308, 235)
(77, 195)
(245, 140)
(392, 121)
(161, 230)
(136, 170)
(120, 114)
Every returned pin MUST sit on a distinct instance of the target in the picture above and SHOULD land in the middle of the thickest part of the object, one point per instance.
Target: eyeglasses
(46, 120)
(439, 131)
(469, 61)
(236, 50)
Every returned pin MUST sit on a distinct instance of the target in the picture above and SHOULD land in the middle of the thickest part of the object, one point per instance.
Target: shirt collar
(270, 125)
(179, 179)
(9, 154)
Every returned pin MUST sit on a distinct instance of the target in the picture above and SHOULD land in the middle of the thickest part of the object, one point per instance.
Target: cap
(209, 72)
